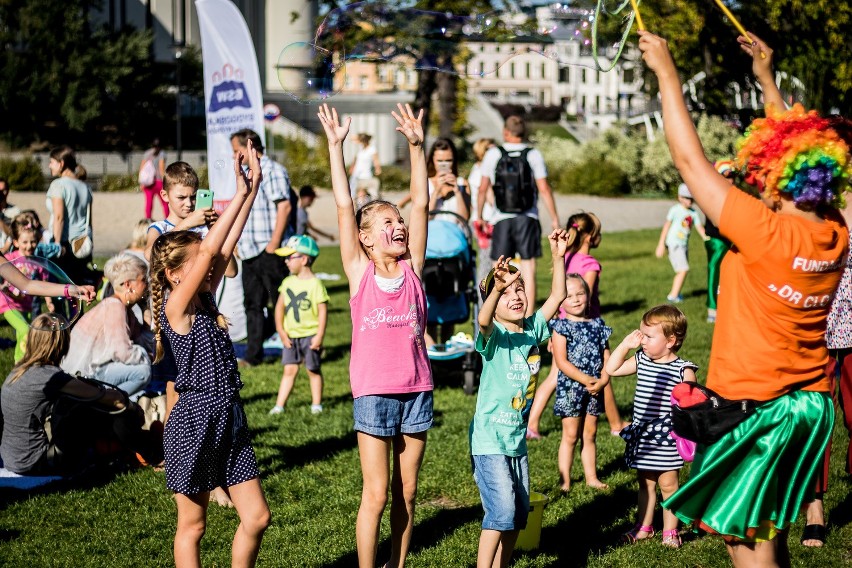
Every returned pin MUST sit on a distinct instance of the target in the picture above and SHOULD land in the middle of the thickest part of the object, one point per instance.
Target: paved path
(115, 214)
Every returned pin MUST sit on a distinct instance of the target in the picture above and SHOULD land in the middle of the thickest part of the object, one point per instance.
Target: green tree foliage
(22, 175)
(65, 79)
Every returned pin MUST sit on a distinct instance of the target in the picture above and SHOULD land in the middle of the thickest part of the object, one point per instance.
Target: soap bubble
(26, 301)
(219, 164)
(379, 31)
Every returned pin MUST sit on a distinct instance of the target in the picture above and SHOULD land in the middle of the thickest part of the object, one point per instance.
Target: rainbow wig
(797, 153)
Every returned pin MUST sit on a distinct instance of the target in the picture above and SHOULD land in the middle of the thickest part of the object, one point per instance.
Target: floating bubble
(219, 164)
(30, 299)
(380, 31)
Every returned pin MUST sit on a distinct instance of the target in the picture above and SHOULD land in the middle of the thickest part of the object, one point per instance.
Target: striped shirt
(654, 384)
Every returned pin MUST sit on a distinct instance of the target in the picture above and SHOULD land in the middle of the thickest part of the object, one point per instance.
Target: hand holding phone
(204, 199)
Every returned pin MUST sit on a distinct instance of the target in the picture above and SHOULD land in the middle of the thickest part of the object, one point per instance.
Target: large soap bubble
(31, 300)
(381, 31)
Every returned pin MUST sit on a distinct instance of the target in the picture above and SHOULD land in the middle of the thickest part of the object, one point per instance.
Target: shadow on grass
(625, 307)
(584, 525)
(89, 479)
(285, 457)
(841, 515)
(427, 534)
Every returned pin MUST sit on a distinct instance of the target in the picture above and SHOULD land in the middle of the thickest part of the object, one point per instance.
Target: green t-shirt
(302, 297)
(683, 220)
(511, 362)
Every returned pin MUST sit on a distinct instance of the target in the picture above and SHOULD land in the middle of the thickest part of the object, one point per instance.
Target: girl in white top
(365, 168)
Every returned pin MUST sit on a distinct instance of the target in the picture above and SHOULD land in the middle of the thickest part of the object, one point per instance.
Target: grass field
(311, 473)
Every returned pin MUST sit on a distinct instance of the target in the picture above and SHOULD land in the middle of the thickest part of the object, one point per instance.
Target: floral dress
(586, 342)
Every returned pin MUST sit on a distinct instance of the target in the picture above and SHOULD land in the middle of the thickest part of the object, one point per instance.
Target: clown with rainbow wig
(788, 251)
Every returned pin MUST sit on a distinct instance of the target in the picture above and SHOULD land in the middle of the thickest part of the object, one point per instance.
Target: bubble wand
(639, 22)
(734, 21)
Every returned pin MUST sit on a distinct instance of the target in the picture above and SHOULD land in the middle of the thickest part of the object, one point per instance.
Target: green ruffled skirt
(753, 481)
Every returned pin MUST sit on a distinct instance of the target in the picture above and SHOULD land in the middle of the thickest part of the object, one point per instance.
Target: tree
(66, 80)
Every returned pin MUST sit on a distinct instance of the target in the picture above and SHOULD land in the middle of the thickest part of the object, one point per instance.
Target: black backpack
(514, 182)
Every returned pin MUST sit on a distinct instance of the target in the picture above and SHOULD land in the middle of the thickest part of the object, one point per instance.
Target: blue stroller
(449, 275)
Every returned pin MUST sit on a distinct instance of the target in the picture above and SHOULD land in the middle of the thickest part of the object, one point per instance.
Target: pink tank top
(388, 348)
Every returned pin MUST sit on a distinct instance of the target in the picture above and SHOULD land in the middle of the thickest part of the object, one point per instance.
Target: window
(527, 70)
(628, 76)
(544, 71)
(512, 70)
(400, 77)
(597, 77)
(565, 75)
(481, 68)
(583, 80)
(598, 103)
(362, 82)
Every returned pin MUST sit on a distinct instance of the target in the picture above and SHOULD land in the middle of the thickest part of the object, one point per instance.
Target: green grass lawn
(311, 473)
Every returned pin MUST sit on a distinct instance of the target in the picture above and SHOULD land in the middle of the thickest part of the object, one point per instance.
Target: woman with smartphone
(447, 191)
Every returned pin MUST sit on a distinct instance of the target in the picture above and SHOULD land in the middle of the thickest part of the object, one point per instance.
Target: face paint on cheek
(387, 235)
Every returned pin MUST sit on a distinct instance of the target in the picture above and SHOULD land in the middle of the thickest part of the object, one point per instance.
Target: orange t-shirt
(776, 287)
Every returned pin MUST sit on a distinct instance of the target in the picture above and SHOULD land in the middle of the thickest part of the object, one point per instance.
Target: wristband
(66, 291)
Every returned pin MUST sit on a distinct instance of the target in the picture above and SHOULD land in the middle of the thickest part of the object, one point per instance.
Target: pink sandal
(632, 536)
(671, 539)
(533, 435)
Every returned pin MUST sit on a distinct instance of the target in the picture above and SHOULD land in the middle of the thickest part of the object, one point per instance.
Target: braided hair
(170, 252)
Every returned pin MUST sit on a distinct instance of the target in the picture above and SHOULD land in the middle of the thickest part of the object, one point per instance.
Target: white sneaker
(276, 410)
(316, 409)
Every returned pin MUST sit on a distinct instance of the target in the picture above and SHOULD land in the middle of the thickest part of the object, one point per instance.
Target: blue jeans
(129, 378)
(504, 487)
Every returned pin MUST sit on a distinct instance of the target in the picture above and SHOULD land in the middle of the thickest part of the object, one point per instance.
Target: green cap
(302, 244)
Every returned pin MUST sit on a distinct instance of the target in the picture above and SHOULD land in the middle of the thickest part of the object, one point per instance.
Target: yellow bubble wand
(733, 20)
(639, 22)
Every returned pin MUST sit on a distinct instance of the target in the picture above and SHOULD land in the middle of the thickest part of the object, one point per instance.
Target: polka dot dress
(206, 439)
(649, 446)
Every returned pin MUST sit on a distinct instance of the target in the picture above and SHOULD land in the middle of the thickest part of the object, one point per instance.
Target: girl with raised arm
(389, 370)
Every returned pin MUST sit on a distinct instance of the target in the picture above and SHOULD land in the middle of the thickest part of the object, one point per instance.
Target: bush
(305, 165)
(592, 177)
(112, 182)
(23, 175)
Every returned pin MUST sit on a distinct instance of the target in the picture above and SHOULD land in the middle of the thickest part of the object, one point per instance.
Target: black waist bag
(708, 421)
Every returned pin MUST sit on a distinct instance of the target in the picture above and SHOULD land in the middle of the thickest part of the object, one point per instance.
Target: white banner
(232, 91)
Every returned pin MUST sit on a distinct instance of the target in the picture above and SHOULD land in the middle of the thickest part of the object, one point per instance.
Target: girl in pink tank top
(389, 371)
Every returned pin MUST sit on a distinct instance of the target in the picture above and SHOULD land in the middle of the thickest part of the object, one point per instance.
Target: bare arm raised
(411, 127)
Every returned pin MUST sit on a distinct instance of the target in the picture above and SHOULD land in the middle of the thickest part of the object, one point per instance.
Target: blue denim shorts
(391, 414)
(504, 487)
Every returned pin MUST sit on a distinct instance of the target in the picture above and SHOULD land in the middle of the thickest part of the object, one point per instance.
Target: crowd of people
(781, 339)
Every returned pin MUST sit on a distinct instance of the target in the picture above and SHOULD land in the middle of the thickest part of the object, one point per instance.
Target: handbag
(154, 409)
(81, 247)
(147, 173)
(706, 422)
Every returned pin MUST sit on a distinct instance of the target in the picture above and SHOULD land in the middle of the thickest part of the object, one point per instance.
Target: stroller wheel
(469, 382)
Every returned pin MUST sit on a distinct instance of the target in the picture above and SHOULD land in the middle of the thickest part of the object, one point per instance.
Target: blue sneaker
(675, 299)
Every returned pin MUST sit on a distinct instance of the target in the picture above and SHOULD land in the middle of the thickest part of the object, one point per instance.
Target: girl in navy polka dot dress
(206, 438)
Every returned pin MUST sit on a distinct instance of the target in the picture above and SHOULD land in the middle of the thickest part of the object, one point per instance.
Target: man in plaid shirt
(270, 222)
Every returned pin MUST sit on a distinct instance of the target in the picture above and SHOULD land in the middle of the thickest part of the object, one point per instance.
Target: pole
(178, 113)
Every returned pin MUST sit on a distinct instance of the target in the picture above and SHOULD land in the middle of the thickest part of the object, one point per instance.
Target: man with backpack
(516, 175)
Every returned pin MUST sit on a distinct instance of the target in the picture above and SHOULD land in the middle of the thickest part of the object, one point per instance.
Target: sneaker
(316, 409)
(711, 316)
(276, 410)
(675, 299)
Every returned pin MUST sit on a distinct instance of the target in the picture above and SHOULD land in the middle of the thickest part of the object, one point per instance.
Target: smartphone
(204, 199)
(444, 167)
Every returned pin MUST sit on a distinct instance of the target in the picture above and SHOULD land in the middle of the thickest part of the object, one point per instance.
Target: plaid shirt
(260, 224)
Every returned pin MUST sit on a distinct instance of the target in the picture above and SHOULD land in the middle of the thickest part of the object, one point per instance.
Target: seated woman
(108, 343)
(29, 397)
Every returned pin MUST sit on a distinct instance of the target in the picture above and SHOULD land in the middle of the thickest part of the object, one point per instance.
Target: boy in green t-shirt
(509, 344)
(300, 319)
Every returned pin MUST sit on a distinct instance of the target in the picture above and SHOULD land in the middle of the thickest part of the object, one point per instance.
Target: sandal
(813, 532)
(671, 539)
(632, 536)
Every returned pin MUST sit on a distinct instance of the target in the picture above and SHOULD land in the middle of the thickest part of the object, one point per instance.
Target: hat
(487, 284)
(683, 191)
(302, 244)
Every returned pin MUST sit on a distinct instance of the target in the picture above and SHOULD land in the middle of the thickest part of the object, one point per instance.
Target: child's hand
(558, 240)
(633, 339)
(197, 217)
(595, 386)
(760, 65)
(410, 126)
(247, 181)
(210, 217)
(335, 132)
(84, 293)
(285, 340)
(316, 343)
(503, 278)
(661, 250)
(656, 54)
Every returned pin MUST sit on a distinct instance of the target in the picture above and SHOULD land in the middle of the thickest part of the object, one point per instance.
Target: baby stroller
(449, 275)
